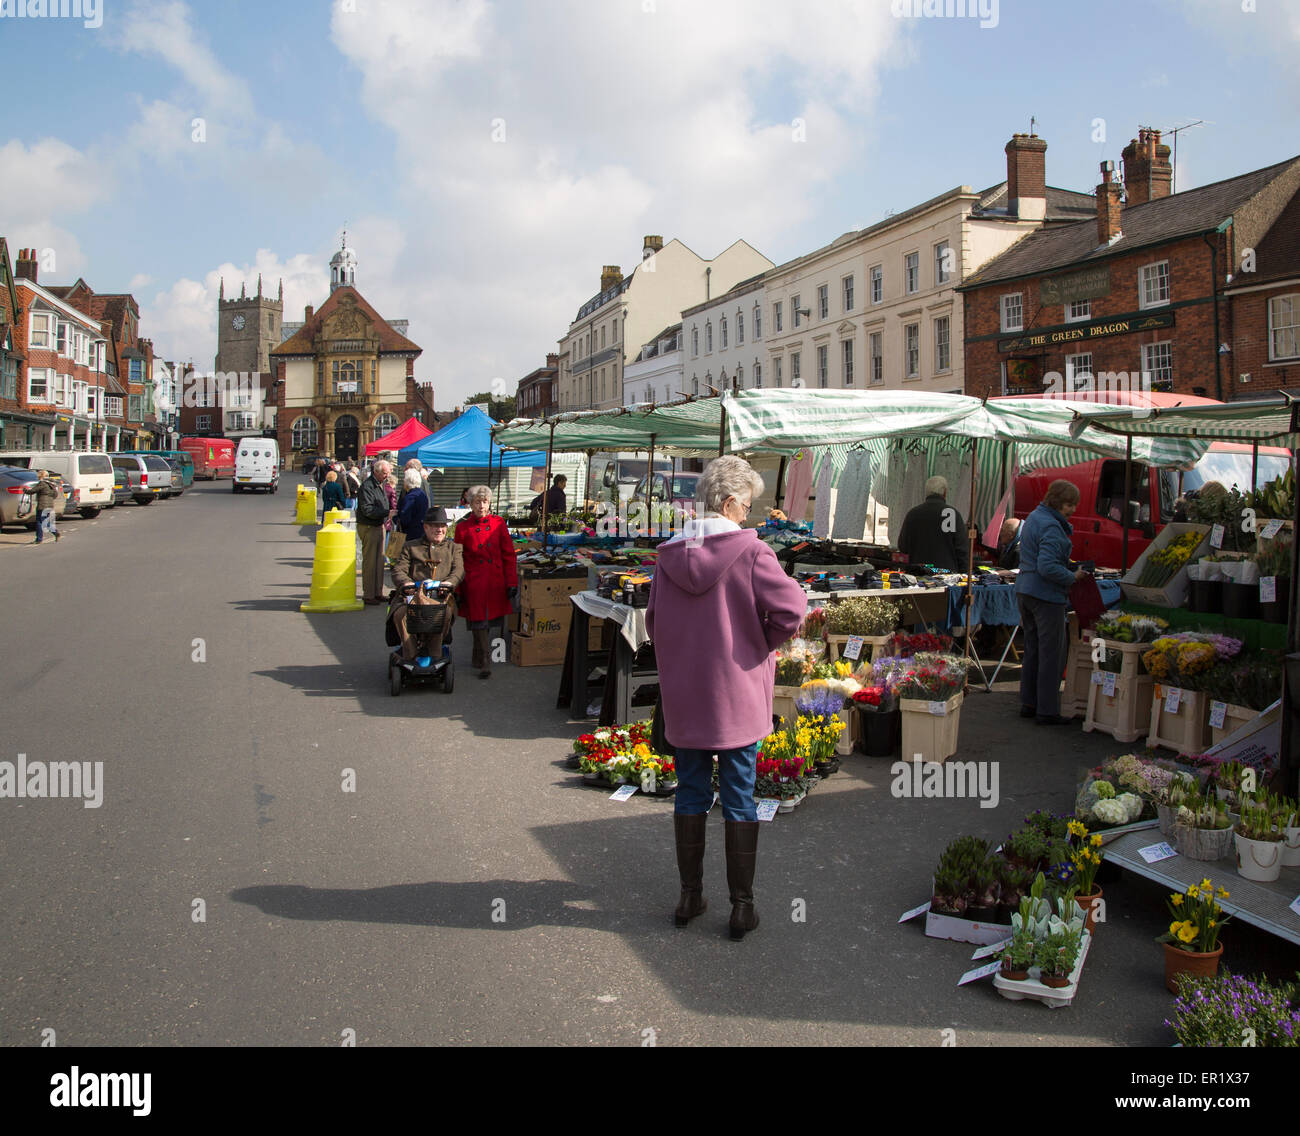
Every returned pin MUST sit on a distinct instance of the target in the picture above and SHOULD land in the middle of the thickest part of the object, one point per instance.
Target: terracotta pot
(1056, 982)
(1013, 975)
(1089, 904)
(1199, 964)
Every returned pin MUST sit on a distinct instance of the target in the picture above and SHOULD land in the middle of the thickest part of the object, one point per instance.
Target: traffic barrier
(334, 572)
(306, 505)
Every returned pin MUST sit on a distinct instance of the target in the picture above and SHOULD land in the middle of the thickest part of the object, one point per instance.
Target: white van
(87, 475)
(257, 465)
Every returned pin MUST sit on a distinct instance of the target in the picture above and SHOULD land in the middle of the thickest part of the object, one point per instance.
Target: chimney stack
(610, 277)
(552, 359)
(25, 267)
(307, 313)
(652, 245)
(1148, 173)
(1027, 177)
(1108, 205)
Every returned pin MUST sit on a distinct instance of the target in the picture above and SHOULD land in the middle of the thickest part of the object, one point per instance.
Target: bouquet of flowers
(819, 699)
(874, 699)
(1184, 659)
(1125, 627)
(1163, 564)
(905, 645)
(933, 678)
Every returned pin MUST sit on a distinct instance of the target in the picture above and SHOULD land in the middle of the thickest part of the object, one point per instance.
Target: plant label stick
(1268, 589)
(980, 972)
(1216, 537)
(1108, 685)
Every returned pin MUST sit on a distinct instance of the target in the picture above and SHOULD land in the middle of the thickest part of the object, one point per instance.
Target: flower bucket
(1240, 601)
(1208, 844)
(1165, 814)
(1277, 611)
(880, 732)
(1258, 860)
(1199, 964)
(844, 743)
(1291, 846)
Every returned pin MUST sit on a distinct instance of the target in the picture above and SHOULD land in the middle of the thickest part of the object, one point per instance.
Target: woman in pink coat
(491, 575)
(720, 604)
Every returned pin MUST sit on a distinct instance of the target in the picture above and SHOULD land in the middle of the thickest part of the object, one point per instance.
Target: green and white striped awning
(1268, 421)
(682, 429)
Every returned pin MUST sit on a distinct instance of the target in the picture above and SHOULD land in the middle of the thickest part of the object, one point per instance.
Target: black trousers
(1040, 675)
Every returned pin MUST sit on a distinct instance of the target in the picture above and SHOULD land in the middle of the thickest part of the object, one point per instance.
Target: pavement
(284, 852)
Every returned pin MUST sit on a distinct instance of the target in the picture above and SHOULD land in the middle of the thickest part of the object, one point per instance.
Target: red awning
(407, 434)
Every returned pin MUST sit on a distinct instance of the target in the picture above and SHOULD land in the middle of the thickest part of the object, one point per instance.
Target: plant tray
(1174, 592)
(1031, 988)
(965, 930)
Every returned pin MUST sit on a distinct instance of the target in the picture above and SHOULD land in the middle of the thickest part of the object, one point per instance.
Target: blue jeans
(45, 524)
(735, 782)
(1044, 658)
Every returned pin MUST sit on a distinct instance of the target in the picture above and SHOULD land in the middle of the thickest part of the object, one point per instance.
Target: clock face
(237, 323)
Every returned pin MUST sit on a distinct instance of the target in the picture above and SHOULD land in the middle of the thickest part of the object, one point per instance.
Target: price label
(1153, 853)
(1268, 589)
(1108, 687)
(1216, 536)
(1218, 712)
(766, 808)
(991, 949)
(1098, 677)
(938, 709)
(1270, 530)
(853, 648)
(980, 972)
(1173, 696)
(1295, 905)
(921, 910)
(623, 792)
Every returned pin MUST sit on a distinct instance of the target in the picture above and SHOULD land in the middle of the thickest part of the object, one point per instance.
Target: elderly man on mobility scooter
(422, 605)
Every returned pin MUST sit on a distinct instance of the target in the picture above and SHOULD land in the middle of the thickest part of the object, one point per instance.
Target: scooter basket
(426, 619)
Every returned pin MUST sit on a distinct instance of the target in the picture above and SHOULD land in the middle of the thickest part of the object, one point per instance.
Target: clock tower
(247, 329)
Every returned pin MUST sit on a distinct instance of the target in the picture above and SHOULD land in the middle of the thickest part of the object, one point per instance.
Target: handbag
(396, 541)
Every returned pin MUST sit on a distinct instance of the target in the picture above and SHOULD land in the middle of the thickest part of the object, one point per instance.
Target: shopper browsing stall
(933, 532)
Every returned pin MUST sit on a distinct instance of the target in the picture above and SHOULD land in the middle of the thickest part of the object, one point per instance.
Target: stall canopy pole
(650, 488)
(586, 492)
(1128, 496)
(722, 426)
(1254, 463)
(546, 484)
(970, 551)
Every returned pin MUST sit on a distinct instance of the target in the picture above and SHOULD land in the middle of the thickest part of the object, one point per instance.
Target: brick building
(1133, 298)
(535, 396)
(1264, 313)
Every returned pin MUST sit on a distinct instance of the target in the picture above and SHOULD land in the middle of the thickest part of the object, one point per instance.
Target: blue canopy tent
(468, 442)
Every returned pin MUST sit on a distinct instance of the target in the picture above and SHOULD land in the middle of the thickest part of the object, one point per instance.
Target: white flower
(1132, 804)
(1110, 811)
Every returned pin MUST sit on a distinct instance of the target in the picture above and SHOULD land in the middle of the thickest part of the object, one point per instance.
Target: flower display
(922, 642)
(1219, 1011)
(1110, 812)
(819, 699)
(865, 615)
(1126, 627)
(873, 698)
(934, 678)
(1187, 659)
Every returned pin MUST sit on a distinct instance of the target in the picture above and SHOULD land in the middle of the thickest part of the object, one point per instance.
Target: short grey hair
(725, 477)
(937, 485)
(381, 469)
(477, 491)
(411, 479)
(414, 463)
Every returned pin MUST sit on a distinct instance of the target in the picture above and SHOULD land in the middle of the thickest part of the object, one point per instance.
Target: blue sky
(621, 118)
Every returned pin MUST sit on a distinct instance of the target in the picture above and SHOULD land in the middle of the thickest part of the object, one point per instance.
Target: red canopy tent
(407, 434)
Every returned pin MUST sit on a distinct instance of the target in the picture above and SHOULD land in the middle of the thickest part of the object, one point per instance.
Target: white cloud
(617, 122)
(138, 281)
(59, 253)
(47, 178)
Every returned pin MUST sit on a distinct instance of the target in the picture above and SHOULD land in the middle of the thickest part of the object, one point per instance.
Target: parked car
(144, 487)
(161, 471)
(121, 488)
(178, 475)
(14, 482)
(682, 489)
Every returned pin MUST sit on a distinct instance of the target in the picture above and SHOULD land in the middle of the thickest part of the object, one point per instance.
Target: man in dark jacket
(552, 501)
(46, 492)
(1009, 543)
(373, 510)
(933, 532)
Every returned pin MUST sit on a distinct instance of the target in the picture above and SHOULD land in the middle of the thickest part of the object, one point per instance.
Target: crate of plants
(873, 619)
(1049, 944)
(930, 690)
(1185, 666)
(1121, 705)
(622, 755)
(970, 893)
(1160, 575)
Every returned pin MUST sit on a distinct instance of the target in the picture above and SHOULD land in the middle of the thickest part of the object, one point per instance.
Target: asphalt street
(230, 891)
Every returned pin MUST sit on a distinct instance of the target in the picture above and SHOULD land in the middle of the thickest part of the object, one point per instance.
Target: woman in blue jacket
(1043, 591)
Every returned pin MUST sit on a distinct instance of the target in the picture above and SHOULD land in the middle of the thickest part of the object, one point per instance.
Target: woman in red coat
(491, 575)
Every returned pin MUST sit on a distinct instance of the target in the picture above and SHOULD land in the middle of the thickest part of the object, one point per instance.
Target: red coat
(490, 567)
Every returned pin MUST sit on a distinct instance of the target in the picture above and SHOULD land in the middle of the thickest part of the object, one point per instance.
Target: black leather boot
(742, 850)
(690, 831)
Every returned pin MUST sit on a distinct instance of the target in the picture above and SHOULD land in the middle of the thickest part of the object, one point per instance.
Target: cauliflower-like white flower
(1110, 812)
(1105, 789)
(1132, 805)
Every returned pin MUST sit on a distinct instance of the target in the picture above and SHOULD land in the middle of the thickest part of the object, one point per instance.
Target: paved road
(372, 910)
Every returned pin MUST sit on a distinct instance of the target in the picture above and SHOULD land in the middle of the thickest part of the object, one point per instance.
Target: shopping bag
(396, 541)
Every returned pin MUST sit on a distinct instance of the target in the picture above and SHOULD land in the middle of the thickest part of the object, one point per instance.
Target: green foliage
(1229, 1010)
(868, 615)
(1277, 498)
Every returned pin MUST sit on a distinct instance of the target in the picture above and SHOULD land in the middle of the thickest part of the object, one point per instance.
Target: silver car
(14, 482)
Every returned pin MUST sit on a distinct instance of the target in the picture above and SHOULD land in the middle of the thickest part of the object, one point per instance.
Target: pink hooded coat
(719, 607)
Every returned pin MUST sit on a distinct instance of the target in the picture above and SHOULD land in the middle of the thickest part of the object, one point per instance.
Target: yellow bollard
(334, 572)
(334, 516)
(306, 505)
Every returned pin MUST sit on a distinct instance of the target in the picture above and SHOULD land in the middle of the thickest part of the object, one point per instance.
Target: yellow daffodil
(1174, 928)
(1194, 891)
(1177, 900)
(1222, 893)
(1207, 886)
(1096, 841)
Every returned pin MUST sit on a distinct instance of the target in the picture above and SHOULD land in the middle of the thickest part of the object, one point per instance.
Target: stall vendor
(933, 532)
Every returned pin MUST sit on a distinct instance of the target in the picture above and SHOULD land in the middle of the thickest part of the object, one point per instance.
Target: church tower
(343, 267)
(247, 329)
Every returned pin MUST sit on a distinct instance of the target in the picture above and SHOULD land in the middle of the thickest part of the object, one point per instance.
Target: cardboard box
(965, 930)
(549, 620)
(1174, 592)
(550, 592)
(537, 650)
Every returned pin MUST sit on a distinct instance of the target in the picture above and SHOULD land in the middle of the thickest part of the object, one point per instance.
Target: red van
(213, 457)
